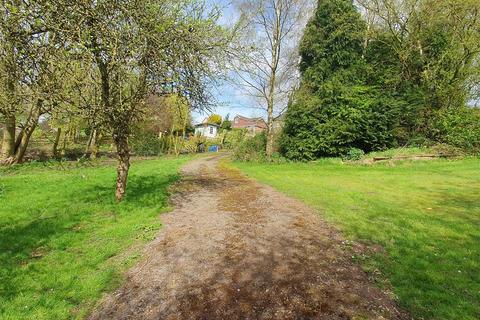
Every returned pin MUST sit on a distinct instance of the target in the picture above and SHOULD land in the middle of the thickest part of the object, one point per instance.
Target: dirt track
(235, 249)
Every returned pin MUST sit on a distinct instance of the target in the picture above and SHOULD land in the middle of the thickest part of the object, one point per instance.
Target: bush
(146, 144)
(191, 145)
(251, 149)
(460, 128)
(180, 145)
(354, 154)
(213, 142)
(336, 120)
(226, 125)
(278, 158)
(234, 138)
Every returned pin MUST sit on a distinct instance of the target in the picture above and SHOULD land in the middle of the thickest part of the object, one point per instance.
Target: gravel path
(236, 249)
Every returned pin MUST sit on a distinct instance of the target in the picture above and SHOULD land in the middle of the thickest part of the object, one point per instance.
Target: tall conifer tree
(335, 109)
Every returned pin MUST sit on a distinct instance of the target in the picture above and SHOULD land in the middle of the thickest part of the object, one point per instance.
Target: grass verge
(426, 215)
(63, 239)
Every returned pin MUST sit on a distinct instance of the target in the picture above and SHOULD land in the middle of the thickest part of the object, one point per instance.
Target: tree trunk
(270, 134)
(22, 148)
(56, 141)
(123, 154)
(8, 147)
(64, 144)
(94, 144)
(8, 144)
(366, 40)
(76, 135)
(19, 138)
(27, 131)
(89, 143)
(275, 51)
(71, 135)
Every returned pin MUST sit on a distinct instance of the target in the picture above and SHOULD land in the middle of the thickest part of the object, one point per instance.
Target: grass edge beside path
(64, 242)
(425, 215)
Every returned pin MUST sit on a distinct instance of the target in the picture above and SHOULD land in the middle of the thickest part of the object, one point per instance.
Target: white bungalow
(209, 130)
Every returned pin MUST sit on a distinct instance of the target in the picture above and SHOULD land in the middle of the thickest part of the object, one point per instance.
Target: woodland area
(377, 74)
(99, 66)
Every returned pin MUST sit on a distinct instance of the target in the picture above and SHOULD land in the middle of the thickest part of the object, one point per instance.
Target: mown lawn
(64, 241)
(426, 215)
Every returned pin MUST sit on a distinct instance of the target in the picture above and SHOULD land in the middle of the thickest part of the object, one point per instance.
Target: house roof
(205, 124)
(244, 122)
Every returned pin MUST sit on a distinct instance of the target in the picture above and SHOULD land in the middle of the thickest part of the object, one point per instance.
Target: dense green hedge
(251, 148)
(460, 128)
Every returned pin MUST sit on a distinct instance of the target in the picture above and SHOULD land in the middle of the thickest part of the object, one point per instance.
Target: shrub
(338, 119)
(226, 125)
(211, 142)
(460, 128)
(234, 138)
(180, 145)
(191, 145)
(251, 149)
(353, 154)
(278, 158)
(146, 144)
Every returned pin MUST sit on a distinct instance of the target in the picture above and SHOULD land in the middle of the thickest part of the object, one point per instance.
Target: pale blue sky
(231, 99)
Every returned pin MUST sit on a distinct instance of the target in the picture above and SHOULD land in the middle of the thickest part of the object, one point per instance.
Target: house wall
(207, 131)
(253, 126)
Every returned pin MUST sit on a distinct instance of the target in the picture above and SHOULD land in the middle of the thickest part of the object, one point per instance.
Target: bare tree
(266, 64)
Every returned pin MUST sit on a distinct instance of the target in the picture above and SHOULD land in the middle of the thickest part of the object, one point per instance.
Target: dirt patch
(235, 249)
(393, 159)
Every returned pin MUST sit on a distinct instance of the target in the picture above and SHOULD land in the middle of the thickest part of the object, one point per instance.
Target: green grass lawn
(426, 215)
(64, 241)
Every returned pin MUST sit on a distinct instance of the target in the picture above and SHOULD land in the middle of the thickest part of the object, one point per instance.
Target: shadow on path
(235, 249)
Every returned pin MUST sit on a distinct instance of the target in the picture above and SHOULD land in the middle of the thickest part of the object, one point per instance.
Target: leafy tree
(32, 60)
(426, 53)
(166, 114)
(100, 61)
(460, 128)
(402, 75)
(142, 47)
(215, 118)
(335, 108)
(226, 123)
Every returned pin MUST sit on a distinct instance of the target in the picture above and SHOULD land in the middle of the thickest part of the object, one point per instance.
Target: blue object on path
(213, 148)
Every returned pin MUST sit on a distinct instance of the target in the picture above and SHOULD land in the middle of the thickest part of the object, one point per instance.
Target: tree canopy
(100, 61)
(392, 76)
(215, 118)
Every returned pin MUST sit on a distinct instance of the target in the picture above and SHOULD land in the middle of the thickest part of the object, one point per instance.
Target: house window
(211, 130)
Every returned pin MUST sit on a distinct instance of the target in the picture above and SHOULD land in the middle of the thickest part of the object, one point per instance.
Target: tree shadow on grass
(469, 206)
(142, 191)
(149, 191)
(27, 242)
(23, 243)
(256, 277)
